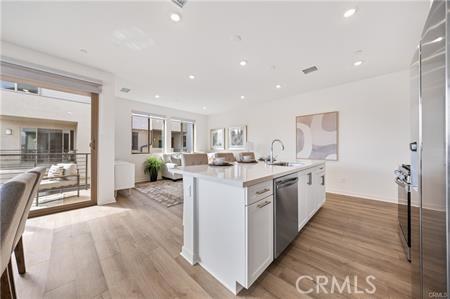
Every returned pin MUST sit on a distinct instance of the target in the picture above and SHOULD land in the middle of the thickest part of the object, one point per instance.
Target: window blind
(46, 78)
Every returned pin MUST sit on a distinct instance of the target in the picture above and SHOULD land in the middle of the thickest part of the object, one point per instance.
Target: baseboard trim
(188, 256)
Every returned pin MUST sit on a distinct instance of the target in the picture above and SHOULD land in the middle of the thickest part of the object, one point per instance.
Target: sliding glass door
(51, 121)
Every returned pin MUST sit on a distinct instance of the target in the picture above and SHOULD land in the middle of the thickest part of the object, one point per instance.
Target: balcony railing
(14, 162)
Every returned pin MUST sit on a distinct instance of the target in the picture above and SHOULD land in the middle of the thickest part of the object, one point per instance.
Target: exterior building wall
(13, 142)
(20, 110)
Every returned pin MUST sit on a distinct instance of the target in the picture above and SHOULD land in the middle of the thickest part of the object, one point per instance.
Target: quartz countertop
(245, 174)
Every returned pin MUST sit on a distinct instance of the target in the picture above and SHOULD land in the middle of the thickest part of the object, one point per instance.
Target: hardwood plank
(130, 249)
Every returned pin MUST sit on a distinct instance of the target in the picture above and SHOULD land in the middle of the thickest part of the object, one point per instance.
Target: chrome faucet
(271, 149)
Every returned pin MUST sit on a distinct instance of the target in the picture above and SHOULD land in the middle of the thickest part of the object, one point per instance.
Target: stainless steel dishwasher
(285, 212)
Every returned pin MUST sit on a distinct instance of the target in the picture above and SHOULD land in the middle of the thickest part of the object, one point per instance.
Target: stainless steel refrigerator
(430, 141)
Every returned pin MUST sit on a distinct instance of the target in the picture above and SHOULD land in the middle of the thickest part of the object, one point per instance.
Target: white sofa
(171, 161)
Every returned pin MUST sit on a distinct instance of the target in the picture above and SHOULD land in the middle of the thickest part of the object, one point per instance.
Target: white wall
(373, 131)
(124, 109)
(105, 190)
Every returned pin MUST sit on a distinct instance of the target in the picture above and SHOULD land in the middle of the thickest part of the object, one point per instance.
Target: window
(45, 92)
(22, 87)
(182, 133)
(8, 85)
(72, 140)
(134, 141)
(27, 88)
(66, 142)
(147, 134)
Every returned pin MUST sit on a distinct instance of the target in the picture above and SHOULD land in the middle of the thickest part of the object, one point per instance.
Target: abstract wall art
(317, 136)
(217, 139)
(237, 137)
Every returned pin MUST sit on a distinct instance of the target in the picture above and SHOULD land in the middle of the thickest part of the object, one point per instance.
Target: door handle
(323, 180)
(287, 183)
(92, 145)
(262, 191)
(310, 178)
(261, 205)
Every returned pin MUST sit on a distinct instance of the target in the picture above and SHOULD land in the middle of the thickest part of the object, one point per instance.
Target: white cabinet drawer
(259, 191)
(259, 238)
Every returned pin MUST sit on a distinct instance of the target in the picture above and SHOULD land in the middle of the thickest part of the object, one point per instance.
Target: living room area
(162, 140)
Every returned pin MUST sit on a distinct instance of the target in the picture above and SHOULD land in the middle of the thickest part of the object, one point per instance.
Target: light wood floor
(131, 250)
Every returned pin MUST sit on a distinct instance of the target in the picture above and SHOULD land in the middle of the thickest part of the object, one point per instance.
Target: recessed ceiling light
(175, 17)
(69, 112)
(157, 96)
(358, 63)
(83, 51)
(242, 97)
(192, 77)
(349, 12)
(204, 108)
(243, 62)
(278, 86)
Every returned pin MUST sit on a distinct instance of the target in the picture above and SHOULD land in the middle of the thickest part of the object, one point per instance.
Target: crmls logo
(333, 286)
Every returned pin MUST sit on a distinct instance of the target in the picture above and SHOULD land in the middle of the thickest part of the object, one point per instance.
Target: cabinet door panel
(303, 197)
(319, 188)
(259, 237)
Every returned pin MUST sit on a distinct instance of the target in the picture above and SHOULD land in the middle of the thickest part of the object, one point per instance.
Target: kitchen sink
(291, 164)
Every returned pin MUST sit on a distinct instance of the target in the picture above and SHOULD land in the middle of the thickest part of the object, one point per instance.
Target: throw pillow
(55, 171)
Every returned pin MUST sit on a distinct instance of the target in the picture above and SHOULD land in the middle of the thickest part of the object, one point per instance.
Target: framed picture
(217, 139)
(317, 136)
(237, 137)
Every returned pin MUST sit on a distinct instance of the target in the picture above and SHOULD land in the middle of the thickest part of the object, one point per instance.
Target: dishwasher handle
(286, 183)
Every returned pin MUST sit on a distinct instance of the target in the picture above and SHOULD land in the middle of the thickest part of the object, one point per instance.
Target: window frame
(149, 117)
(182, 123)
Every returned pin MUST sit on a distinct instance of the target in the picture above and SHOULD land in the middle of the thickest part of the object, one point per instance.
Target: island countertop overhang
(244, 174)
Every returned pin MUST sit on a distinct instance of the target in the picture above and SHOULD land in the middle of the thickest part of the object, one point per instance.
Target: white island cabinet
(311, 193)
(228, 217)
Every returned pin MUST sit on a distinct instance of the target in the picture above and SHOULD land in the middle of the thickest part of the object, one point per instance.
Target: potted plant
(152, 166)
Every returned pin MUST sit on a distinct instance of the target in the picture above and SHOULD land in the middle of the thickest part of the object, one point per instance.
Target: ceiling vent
(180, 3)
(124, 89)
(310, 70)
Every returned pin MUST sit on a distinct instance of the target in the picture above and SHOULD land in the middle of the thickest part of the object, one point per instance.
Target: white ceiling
(150, 54)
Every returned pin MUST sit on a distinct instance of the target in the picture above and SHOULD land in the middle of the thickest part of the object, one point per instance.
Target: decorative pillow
(167, 158)
(55, 171)
(69, 168)
(171, 165)
(176, 160)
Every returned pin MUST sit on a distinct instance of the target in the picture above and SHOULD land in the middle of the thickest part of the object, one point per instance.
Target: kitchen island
(228, 215)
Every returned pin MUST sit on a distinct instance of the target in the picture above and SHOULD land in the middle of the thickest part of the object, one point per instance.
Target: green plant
(152, 166)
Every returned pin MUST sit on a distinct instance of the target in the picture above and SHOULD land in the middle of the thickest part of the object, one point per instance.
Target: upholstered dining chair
(229, 157)
(14, 197)
(194, 159)
(18, 244)
(243, 154)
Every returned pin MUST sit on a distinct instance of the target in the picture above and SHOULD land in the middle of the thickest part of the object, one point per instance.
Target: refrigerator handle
(413, 146)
